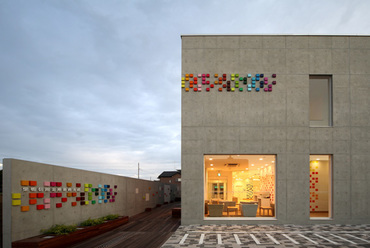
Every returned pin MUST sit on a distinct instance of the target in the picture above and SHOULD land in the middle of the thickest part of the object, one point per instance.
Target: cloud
(95, 85)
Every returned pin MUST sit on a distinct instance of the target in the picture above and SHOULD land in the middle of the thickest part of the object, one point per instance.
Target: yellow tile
(16, 195)
(16, 202)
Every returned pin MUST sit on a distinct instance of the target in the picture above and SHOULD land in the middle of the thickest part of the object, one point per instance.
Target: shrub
(60, 229)
(92, 222)
(64, 229)
(111, 217)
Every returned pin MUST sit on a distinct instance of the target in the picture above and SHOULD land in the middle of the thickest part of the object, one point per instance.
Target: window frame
(313, 123)
(330, 189)
(227, 218)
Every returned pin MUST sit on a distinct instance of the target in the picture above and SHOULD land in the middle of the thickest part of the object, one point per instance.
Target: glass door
(217, 190)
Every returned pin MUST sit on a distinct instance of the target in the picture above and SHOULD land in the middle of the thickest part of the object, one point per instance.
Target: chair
(231, 207)
(215, 210)
(249, 210)
(206, 206)
(265, 204)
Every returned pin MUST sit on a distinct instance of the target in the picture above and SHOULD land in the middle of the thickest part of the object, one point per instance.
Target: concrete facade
(132, 196)
(277, 122)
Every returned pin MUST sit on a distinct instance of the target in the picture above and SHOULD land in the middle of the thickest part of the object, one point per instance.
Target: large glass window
(239, 185)
(320, 186)
(320, 101)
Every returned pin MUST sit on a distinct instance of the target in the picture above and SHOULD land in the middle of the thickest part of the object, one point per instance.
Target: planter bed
(61, 241)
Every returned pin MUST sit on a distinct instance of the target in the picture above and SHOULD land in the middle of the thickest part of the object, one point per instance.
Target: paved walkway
(145, 230)
(232, 236)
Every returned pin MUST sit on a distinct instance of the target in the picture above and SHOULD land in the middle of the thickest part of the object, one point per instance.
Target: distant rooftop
(169, 173)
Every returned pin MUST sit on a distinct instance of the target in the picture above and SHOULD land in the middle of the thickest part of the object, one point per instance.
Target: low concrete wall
(37, 196)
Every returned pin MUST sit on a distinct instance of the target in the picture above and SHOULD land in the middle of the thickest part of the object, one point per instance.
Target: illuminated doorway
(320, 186)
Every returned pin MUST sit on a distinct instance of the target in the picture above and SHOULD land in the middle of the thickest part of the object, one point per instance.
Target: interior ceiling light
(210, 158)
(317, 159)
(252, 164)
(211, 164)
(272, 161)
(261, 158)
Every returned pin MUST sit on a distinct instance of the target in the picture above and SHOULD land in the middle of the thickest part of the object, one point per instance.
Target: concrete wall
(277, 122)
(133, 197)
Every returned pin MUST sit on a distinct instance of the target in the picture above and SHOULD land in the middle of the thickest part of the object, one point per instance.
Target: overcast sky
(95, 85)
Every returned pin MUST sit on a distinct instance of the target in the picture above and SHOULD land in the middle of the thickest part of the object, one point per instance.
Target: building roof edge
(353, 35)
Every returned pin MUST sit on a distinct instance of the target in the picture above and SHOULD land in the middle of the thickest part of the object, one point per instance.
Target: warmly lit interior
(239, 185)
(320, 186)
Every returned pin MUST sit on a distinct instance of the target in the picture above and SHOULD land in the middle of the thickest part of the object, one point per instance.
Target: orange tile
(25, 208)
(25, 183)
(32, 195)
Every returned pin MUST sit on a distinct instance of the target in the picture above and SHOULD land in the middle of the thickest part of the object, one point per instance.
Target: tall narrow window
(320, 101)
(320, 186)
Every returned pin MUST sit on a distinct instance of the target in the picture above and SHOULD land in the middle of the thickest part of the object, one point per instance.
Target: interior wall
(37, 196)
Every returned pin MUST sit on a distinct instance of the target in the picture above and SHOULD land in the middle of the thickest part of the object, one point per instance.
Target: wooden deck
(148, 229)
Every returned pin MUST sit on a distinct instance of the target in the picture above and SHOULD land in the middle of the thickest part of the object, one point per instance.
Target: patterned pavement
(266, 236)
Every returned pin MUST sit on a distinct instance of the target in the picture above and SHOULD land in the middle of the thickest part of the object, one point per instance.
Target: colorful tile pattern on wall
(58, 194)
(228, 82)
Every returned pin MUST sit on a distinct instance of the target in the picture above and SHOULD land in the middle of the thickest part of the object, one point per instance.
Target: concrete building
(275, 129)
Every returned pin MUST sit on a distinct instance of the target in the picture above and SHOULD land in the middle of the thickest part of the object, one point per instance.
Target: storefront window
(239, 185)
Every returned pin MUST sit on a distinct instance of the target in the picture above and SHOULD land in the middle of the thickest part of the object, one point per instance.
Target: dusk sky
(95, 85)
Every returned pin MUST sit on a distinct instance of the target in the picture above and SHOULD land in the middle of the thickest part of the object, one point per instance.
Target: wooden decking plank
(147, 229)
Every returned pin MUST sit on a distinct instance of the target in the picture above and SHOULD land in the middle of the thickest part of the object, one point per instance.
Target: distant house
(173, 177)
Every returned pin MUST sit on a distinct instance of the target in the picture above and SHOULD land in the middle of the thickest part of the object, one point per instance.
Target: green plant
(92, 222)
(64, 229)
(111, 217)
(60, 229)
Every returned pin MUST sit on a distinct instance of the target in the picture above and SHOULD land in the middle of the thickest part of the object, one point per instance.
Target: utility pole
(138, 171)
